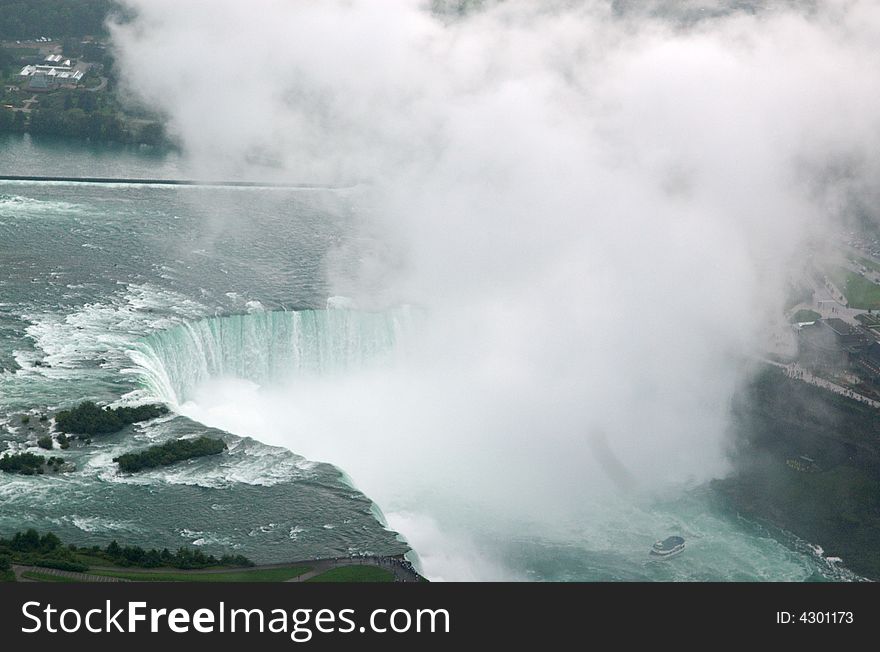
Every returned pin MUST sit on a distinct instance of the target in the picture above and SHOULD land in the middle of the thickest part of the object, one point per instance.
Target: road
(99, 87)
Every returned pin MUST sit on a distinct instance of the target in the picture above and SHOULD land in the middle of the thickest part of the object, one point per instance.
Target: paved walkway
(99, 87)
(27, 105)
(398, 566)
(829, 301)
(794, 370)
(77, 577)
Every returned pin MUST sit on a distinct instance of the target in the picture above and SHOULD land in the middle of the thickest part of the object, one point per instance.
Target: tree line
(77, 123)
(169, 453)
(47, 550)
(25, 19)
(89, 419)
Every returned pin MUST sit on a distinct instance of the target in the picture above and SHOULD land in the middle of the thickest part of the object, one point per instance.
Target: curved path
(76, 577)
(397, 566)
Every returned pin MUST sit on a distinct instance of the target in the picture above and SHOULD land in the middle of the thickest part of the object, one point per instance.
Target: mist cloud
(595, 210)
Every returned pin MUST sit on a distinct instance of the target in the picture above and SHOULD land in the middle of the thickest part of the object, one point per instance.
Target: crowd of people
(402, 569)
(796, 371)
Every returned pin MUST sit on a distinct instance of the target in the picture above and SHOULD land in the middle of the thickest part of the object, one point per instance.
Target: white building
(46, 77)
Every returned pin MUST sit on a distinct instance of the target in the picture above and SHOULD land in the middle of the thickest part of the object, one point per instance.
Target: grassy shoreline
(172, 575)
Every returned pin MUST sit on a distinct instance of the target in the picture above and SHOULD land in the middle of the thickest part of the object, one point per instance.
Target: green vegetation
(859, 291)
(31, 549)
(169, 453)
(62, 564)
(46, 577)
(107, 126)
(54, 463)
(45, 442)
(6, 574)
(354, 574)
(93, 111)
(22, 463)
(88, 419)
(19, 52)
(8, 59)
(870, 264)
(10, 121)
(183, 558)
(805, 316)
(25, 19)
(84, 114)
(5, 562)
(30, 464)
(259, 575)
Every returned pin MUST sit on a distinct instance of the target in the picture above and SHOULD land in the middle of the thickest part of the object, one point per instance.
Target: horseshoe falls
(264, 347)
(350, 429)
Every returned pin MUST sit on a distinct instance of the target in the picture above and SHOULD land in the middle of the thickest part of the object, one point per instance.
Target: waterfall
(265, 347)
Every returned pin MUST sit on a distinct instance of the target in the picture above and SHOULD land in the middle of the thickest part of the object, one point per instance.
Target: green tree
(7, 119)
(86, 101)
(72, 47)
(26, 541)
(23, 19)
(49, 542)
(7, 61)
(153, 134)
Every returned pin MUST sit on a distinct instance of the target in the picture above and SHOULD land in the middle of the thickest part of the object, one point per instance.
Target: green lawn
(92, 560)
(354, 574)
(46, 577)
(7, 576)
(22, 51)
(859, 291)
(264, 575)
(870, 264)
(805, 316)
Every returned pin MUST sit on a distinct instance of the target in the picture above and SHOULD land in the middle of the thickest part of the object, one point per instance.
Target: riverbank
(808, 461)
(336, 569)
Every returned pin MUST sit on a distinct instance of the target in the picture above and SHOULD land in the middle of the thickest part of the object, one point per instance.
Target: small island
(30, 464)
(169, 453)
(89, 419)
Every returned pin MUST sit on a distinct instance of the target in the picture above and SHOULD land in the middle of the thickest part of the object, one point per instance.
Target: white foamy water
(439, 503)
(98, 334)
(16, 207)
